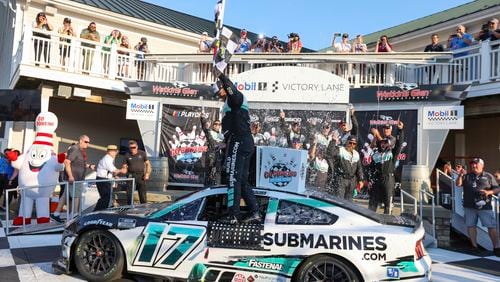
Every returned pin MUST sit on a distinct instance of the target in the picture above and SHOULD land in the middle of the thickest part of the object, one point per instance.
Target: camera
(453, 35)
(480, 199)
(337, 34)
(485, 28)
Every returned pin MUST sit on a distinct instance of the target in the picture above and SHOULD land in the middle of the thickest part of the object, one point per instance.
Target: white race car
(310, 237)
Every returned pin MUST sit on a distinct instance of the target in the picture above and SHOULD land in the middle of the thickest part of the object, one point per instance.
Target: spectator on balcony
(460, 39)
(90, 33)
(67, 31)
(205, 44)
(142, 48)
(115, 37)
(344, 46)
(359, 46)
(274, 46)
(123, 58)
(41, 40)
(244, 43)
(383, 45)
(259, 46)
(434, 46)
(294, 43)
(489, 31)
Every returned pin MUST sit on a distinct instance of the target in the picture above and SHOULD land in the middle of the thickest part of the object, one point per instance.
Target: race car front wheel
(327, 269)
(98, 256)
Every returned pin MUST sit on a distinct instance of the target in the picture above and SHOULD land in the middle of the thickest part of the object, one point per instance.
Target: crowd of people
(77, 167)
(90, 34)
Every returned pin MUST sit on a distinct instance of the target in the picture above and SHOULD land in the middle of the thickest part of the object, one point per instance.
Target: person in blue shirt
(244, 44)
(458, 40)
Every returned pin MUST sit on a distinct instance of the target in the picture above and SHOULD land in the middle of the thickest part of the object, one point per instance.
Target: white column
(485, 52)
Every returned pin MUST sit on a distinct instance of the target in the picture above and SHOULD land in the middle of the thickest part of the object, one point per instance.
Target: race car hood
(142, 210)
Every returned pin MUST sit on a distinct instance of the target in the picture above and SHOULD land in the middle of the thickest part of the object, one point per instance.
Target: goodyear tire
(98, 256)
(325, 268)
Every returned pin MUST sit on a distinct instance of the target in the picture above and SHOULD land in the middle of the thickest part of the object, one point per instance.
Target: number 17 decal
(167, 245)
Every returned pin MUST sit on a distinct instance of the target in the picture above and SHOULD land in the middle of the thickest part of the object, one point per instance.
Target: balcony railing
(476, 64)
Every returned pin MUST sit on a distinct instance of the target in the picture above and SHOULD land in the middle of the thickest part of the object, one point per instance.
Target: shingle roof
(433, 19)
(161, 15)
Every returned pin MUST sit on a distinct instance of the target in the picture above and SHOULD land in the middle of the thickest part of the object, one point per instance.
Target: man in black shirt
(478, 187)
(137, 166)
(236, 128)
(434, 46)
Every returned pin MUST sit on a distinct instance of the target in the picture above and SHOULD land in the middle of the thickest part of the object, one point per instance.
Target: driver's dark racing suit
(240, 144)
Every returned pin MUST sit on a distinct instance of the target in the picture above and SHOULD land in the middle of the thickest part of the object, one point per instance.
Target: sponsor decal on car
(98, 222)
(320, 241)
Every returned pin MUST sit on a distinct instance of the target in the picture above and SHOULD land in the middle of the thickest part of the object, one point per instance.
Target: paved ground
(29, 258)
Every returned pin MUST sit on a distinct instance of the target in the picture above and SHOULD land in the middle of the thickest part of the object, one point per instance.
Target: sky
(314, 20)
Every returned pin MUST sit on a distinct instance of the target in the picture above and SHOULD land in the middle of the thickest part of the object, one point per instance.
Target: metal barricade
(496, 208)
(21, 191)
(422, 192)
(92, 181)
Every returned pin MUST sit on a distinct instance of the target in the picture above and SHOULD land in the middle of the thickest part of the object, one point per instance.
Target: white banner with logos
(292, 84)
(142, 110)
(281, 168)
(443, 117)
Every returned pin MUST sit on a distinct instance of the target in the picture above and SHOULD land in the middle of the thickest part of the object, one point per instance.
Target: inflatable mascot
(39, 166)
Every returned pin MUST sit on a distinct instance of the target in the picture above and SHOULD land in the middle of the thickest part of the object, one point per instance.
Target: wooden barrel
(413, 179)
(158, 179)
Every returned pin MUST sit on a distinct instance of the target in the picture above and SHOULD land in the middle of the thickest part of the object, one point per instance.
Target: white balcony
(50, 56)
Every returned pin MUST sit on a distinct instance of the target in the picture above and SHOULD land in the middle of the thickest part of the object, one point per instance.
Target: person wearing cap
(386, 134)
(244, 43)
(215, 142)
(90, 33)
(106, 169)
(384, 160)
(344, 46)
(294, 43)
(489, 31)
(343, 131)
(274, 46)
(67, 31)
(478, 186)
(345, 170)
(240, 146)
(294, 134)
(324, 137)
(137, 165)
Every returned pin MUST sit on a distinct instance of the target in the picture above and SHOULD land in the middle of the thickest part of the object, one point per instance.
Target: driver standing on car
(239, 140)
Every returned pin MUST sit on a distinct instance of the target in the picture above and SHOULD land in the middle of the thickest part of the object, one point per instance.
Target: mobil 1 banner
(378, 119)
(184, 143)
(310, 121)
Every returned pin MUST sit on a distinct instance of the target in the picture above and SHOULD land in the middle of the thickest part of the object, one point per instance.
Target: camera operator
(274, 46)
(478, 185)
(258, 47)
(460, 39)
(489, 31)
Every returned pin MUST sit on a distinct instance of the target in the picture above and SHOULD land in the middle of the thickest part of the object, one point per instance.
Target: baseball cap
(388, 126)
(326, 125)
(205, 33)
(345, 35)
(112, 147)
(477, 161)
(243, 31)
(352, 138)
(144, 39)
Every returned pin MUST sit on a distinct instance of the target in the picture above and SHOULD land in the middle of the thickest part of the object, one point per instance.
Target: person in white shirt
(106, 169)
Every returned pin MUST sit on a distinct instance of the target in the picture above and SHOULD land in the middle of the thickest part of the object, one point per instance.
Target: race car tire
(325, 268)
(98, 256)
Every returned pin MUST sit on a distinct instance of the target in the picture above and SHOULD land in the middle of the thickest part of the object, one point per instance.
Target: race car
(301, 237)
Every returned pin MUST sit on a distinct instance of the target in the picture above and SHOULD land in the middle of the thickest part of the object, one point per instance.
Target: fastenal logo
(280, 172)
(251, 86)
(142, 108)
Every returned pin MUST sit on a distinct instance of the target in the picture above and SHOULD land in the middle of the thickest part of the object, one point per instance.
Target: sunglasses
(86, 141)
(133, 147)
(216, 123)
(353, 143)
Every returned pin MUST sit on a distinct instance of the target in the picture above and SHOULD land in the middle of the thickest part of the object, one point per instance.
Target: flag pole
(219, 23)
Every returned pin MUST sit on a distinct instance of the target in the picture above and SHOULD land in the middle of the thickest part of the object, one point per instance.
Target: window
(295, 213)
(187, 211)
(215, 207)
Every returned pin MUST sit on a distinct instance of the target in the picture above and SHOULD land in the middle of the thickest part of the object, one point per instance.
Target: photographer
(489, 31)
(478, 185)
(294, 43)
(41, 46)
(274, 46)
(143, 48)
(258, 47)
(67, 31)
(460, 39)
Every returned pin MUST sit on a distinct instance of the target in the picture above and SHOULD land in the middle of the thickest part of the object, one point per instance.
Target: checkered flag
(227, 43)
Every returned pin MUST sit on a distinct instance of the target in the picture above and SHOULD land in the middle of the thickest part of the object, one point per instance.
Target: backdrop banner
(184, 143)
(19, 105)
